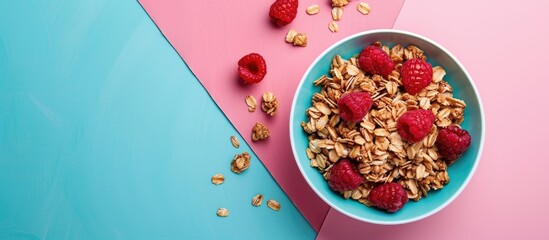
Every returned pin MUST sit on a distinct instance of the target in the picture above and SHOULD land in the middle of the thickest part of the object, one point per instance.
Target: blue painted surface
(106, 134)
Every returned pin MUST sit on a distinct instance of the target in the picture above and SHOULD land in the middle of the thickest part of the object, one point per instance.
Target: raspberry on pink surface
(374, 60)
(416, 75)
(390, 196)
(344, 176)
(354, 106)
(252, 68)
(415, 125)
(283, 12)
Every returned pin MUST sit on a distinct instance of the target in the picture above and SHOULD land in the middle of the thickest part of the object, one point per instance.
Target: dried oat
(218, 179)
(363, 8)
(257, 200)
(333, 27)
(352, 70)
(240, 162)
(269, 104)
(356, 194)
(222, 212)
(438, 74)
(290, 36)
(337, 12)
(260, 132)
(274, 205)
(313, 9)
(392, 88)
(251, 103)
(235, 142)
(381, 132)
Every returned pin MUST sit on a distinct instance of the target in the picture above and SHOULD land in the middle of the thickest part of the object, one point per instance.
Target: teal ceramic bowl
(460, 172)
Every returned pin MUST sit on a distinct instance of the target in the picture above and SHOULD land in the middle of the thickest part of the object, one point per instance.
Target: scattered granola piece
(270, 103)
(297, 39)
(363, 8)
(235, 142)
(218, 179)
(290, 36)
(222, 212)
(313, 9)
(300, 40)
(251, 103)
(240, 162)
(257, 200)
(333, 27)
(260, 132)
(274, 205)
(337, 12)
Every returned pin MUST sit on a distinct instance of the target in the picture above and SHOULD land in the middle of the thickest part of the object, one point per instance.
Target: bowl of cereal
(387, 127)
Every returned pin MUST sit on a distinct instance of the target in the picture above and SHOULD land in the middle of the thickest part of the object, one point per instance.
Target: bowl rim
(482, 134)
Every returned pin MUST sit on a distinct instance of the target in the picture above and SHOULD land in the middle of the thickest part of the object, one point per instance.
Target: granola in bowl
(374, 143)
(393, 146)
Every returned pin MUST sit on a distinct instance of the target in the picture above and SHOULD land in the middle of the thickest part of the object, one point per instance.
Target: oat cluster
(374, 142)
(240, 162)
(260, 132)
(269, 104)
(297, 39)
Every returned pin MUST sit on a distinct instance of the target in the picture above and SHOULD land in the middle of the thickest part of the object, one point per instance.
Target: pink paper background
(504, 47)
(212, 36)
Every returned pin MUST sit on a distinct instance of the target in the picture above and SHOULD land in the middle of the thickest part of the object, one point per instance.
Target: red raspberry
(252, 68)
(452, 142)
(374, 60)
(415, 125)
(283, 12)
(354, 106)
(388, 196)
(416, 75)
(344, 176)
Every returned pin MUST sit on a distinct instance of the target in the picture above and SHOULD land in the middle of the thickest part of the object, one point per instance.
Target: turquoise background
(106, 134)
